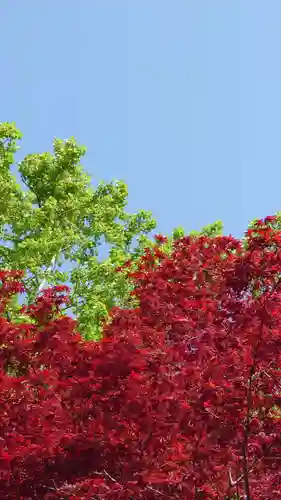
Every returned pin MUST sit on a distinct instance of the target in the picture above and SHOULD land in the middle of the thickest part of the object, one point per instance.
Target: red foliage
(176, 400)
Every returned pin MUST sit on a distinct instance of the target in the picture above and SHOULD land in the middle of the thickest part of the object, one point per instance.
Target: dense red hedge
(175, 402)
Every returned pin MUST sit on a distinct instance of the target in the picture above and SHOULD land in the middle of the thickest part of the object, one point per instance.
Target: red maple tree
(180, 398)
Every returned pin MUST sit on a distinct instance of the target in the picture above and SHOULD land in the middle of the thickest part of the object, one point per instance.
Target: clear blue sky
(179, 98)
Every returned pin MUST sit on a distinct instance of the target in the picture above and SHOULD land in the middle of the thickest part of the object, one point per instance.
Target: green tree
(54, 228)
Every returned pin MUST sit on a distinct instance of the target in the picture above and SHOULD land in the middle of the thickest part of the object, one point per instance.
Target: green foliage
(60, 221)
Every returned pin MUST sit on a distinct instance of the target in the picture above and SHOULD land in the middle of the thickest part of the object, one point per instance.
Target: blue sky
(179, 98)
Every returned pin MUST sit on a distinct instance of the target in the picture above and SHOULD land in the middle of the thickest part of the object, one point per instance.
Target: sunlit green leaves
(61, 219)
(56, 228)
